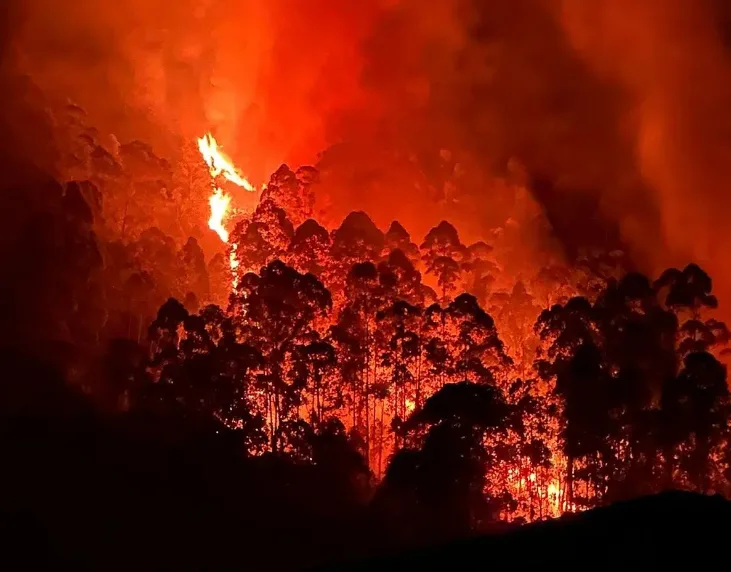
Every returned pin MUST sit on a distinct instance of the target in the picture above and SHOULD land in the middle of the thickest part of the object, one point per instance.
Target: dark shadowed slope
(674, 530)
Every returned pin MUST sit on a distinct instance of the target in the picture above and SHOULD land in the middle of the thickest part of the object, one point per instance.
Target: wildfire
(220, 203)
(219, 165)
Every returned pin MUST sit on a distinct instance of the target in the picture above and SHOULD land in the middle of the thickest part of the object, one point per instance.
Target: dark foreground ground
(670, 531)
(84, 490)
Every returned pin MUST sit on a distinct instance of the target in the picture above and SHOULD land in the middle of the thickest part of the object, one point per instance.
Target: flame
(219, 164)
(220, 203)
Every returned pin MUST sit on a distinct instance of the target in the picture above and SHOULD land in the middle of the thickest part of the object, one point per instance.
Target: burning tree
(506, 397)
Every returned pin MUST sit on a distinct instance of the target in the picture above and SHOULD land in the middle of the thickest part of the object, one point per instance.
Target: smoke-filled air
(404, 270)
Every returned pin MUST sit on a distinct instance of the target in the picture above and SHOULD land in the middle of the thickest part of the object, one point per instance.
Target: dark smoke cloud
(614, 109)
(671, 58)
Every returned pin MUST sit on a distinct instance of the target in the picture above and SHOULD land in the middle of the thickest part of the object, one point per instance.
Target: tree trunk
(569, 482)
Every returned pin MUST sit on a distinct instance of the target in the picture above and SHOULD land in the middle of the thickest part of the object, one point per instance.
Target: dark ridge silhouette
(671, 530)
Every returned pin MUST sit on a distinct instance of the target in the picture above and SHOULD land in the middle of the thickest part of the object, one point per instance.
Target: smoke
(670, 57)
(263, 75)
(616, 107)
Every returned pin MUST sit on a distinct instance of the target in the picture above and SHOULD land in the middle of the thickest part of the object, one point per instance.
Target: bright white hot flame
(219, 164)
(220, 203)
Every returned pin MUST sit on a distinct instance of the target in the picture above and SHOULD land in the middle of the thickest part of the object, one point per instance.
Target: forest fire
(476, 295)
(220, 166)
(371, 345)
(220, 205)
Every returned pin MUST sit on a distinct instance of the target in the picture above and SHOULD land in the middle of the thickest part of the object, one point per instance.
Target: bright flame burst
(220, 203)
(219, 165)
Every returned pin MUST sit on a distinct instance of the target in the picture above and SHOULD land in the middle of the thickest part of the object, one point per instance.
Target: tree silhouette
(323, 392)
(446, 474)
(277, 311)
(260, 239)
(356, 240)
(478, 350)
(481, 270)
(442, 254)
(696, 407)
(398, 238)
(193, 274)
(308, 251)
(292, 191)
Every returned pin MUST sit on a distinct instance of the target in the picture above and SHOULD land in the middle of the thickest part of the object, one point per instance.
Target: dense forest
(345, 387)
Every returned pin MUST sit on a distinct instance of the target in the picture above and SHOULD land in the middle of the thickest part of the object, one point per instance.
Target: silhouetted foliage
(325, 386)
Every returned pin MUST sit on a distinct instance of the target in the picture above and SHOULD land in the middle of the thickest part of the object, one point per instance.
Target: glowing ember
(410, 406)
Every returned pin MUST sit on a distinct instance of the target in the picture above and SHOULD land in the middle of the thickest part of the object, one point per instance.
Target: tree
(688, 289)
(309, 249)
(356, 240)
(192, 273)
(442, 253)
(639, 351)
(515, 312)
(400, 279)
(277, 311)
(595, 268)
(696, 408)
(478, 351)
(399, 352)
(366, 296)
(442, 240)
(260, 239)
(348, 334)
(138, 292)
(565, 332)
(687, 292)
(481, 270)
(147, 183)
(52, 293)
(203, 374)
(219, 278)
(190, 188)
(292, 192)
(397, 238)
(440, 481)
(156, 253)
(314, 364)
(554, 284)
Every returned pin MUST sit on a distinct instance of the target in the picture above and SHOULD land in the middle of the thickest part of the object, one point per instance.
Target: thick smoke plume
(670, 57)
(613, 113)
